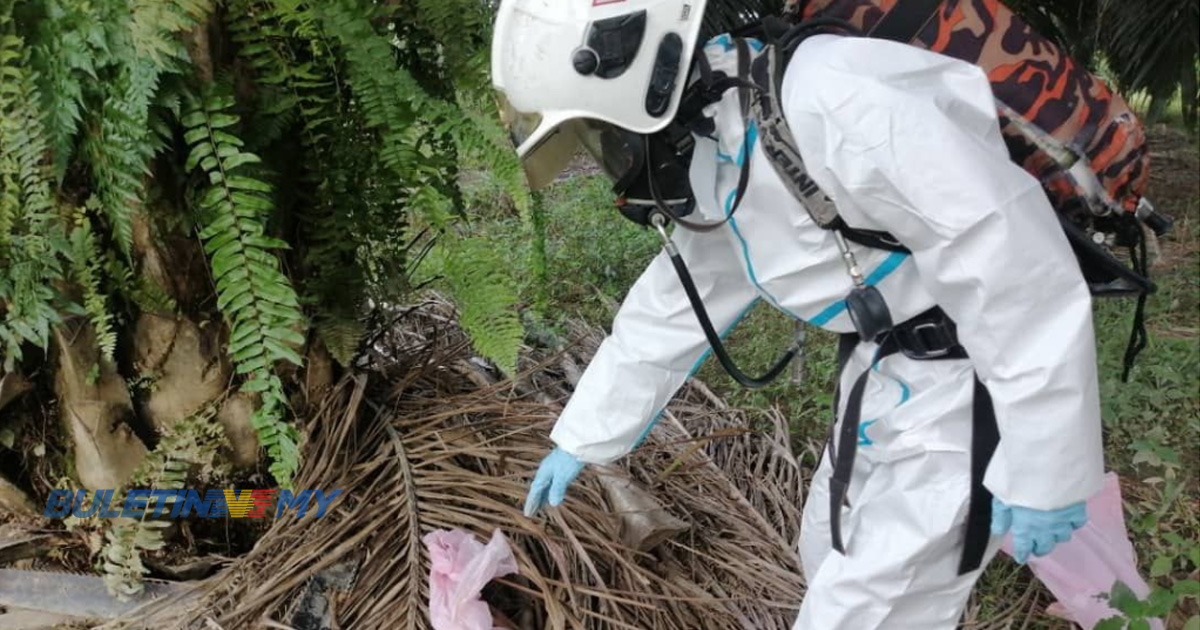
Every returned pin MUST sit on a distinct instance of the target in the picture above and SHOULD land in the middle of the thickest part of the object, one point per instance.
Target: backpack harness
(930, 336)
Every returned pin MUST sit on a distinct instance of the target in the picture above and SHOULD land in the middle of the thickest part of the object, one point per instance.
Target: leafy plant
(189, 445)
(253, 294)
(87, 261)
(1152, 46)
(317, 149)
(1137, 613)
(32, 242)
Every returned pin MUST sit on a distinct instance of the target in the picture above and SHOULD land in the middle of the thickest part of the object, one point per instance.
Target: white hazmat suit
(904, 141)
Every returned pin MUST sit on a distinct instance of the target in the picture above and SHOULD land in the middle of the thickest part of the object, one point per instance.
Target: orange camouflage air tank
(1035, 80)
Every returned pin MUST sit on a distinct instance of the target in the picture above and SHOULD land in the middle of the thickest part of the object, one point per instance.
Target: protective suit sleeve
(656, 343)
(908, 141)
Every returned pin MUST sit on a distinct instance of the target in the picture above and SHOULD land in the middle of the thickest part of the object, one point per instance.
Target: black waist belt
(929, 336)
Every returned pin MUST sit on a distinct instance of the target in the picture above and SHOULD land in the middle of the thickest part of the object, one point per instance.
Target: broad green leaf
(220, 240)
(267, 242)
(256, 386)
(212, 197)
(247, 353)
(194, 119)
(1161, 566)
(259, 363)
(1160, 603)
(227, 138)
(1122, 598)
(1187, 588)
(195, 135)
(221, 121)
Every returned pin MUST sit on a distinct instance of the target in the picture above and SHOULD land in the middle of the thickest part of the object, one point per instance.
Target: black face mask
(644, 168)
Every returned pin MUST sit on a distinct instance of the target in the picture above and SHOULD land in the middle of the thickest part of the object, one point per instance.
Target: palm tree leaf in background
(1149, 44)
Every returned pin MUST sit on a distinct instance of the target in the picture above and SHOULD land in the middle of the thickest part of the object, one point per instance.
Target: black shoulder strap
(779, 145)
(906, 20)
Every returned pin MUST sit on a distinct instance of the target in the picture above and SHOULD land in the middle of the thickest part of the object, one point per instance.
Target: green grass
(1152, 424)
(592, 254)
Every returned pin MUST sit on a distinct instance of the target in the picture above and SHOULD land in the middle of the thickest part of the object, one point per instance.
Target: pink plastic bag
(460, 567)
(1078, 571)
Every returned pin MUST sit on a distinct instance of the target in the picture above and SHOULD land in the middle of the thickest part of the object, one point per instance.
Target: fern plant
(485, 294)
(296, 78)
(188, 446)
(363, 112)
(86, 263)
(409, 121)
(32, 243)
(257, 300)
(71, 40)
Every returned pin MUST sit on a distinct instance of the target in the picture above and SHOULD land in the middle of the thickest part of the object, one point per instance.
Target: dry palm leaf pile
(695, 530)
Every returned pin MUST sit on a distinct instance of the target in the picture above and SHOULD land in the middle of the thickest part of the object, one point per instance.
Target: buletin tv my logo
(186, 503)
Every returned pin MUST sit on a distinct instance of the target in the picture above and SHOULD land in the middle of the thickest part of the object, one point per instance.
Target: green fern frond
(32, 243)
(144, 292)
(156, 24)
(392, 101)
(70, 40)
(485, 297)
(299, 17)
(86, 261)
(292, 88)
(143, 43)
(284, 45)
(120, 146)
(122, 558)
(189, 446)
(411, 122)
(487, 143)
(467, 23)
(256, 298)
(341, 336)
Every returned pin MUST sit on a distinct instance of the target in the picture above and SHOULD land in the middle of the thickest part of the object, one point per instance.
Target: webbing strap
(984, 438)
(905, 21)
(985, 435)
(847, 445)
(847, 342)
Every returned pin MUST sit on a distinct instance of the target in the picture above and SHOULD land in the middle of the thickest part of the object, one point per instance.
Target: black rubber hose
(714, 339)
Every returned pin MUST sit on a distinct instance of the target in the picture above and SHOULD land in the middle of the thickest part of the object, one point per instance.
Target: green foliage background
(362, 111)
(310, 152)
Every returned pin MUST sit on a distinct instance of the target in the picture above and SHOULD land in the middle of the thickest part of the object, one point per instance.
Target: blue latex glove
(555, 473)
(1036, 531)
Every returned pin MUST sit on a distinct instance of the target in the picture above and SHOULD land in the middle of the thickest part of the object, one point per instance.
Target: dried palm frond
(432, 439)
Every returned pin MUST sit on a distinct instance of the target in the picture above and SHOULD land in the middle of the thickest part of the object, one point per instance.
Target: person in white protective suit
(904, 141)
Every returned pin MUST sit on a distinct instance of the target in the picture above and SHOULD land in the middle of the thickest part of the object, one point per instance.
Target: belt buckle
(918, 349)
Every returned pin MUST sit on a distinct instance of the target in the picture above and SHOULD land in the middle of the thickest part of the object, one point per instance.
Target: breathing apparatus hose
(710, 333)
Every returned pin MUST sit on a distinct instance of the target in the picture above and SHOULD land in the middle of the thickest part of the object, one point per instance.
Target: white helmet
(568, 71)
